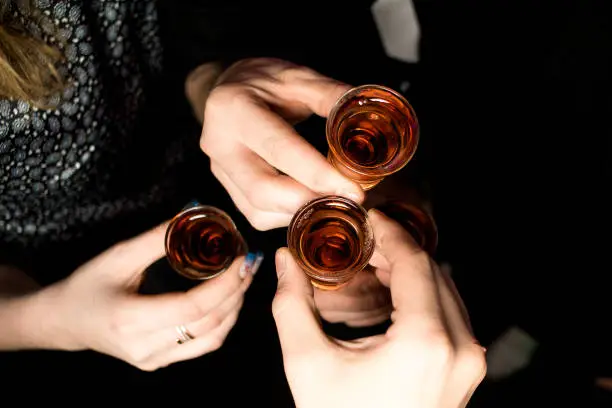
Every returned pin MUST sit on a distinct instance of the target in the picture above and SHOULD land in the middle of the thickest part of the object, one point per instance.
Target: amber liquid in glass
(372, 132)
(369, 138)
(200, 243)
(331, 240)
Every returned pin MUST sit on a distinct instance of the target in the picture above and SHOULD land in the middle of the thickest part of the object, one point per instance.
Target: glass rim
(333, 143)
(342, 275)
(212, 210)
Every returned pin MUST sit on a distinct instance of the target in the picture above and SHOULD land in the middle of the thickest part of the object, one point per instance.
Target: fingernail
(259, 257)
(351, 194)
(190, 204)
(251, 263)
(281, 263)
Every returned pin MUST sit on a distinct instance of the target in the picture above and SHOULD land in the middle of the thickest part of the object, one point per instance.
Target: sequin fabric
(59, 169)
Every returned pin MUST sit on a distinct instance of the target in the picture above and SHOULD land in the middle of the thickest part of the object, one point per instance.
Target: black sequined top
(120, 152)
(99, 156)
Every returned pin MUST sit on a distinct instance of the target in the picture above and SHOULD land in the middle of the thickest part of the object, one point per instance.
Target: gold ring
(183, 335)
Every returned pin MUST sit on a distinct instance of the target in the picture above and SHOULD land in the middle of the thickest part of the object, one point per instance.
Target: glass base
(327, 286)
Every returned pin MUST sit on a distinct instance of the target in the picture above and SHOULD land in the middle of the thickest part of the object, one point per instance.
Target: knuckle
(216, 342)
(232, 97)
(214, 320)
(137, 354)
(472, 361)
(259, 221)
(146, 366)
(282, 302)
(292, 72)
(193, 308)
(205, 142)
(222, 96)
(439, 349)
(276, 146)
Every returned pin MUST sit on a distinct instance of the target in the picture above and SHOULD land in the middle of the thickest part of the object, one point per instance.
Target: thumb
(298, 326)
(128, 259)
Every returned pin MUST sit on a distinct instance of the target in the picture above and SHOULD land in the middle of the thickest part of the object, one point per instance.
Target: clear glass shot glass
(202, 242)
(372, 132)
(332, 240)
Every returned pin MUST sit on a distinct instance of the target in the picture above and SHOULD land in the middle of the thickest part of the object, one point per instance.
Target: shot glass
(202, 242)
(372, 132)
(332, 240)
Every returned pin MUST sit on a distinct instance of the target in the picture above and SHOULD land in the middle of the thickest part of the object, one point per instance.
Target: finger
(161, 340)
(148, 313)
(216, 316)
(378, 261)
(320, 94)
(364, 292)
(128, 259)
(360, 319)
(331, 302)
(279, 145)
(293, 308)
(456, 318)
(364, 343)
(199, 346)
(412, 281)
(260, 220)
(263, 186)
(446, 270)
(380, 267)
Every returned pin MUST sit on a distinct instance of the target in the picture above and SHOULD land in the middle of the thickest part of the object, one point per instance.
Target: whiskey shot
(372, 132)
(202, 242)
(414, 219)
(332, 240)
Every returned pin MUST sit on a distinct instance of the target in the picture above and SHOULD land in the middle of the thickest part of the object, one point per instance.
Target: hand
(98, 308)
(267, 168)
(428, 358)
(364, 301)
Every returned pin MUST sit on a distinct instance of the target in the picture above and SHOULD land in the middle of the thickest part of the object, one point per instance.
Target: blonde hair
(27, 64)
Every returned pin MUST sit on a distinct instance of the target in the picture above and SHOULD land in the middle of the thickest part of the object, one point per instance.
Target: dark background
(511, 97)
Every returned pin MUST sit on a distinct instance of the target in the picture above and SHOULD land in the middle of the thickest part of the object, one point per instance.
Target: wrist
(199, 84)
(30, 321)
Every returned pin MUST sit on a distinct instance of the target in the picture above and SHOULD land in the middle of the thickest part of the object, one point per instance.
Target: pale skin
(269, 171)
(428, 358)
(97, 308)
(93, 309)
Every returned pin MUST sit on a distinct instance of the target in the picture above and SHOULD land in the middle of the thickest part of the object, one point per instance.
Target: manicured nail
(259, 257)
(190, 204)
(252, 262)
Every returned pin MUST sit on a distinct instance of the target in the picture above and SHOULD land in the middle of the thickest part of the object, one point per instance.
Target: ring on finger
(183, 335)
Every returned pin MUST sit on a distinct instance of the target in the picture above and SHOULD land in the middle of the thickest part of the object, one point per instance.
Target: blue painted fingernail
(251, 264)
(191, 204)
